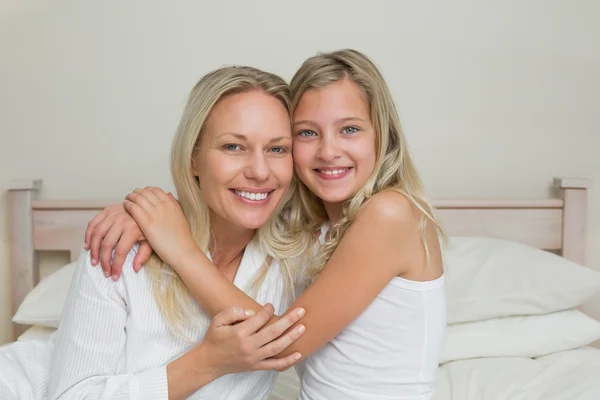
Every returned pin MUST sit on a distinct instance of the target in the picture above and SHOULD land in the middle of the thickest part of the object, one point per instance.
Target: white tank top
(390, 351)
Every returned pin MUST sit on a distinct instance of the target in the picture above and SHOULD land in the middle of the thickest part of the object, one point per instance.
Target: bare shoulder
(388, 217)
(395, 221)
(390, 208)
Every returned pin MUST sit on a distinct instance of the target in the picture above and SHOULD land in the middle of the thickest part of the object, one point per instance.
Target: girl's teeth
(252, 196)
(334, 172)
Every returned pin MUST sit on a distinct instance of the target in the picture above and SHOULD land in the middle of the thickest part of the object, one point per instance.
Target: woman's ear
(195, 166)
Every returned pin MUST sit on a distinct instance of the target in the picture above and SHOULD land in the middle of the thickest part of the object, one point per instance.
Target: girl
(375, 304)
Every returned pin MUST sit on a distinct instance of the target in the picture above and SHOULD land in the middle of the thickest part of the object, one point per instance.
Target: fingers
(126, 242)
(106, 248)
(279, 364)
(100, 231)
(136, 211)
(277, 346)
(252, 325)
(92, 225)
(277, 329)
(230, 316)
(141, 201)
(142, 256)
(149, 195)
(158, 193)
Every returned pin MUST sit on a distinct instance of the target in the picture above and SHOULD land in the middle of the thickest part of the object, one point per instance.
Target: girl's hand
(162, 222)
(114, 229)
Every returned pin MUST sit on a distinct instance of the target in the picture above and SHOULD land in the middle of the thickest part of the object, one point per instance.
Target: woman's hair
(394, 167)
(170, 292)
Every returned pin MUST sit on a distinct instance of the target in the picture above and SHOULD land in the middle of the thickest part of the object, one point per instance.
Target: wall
(495, 101)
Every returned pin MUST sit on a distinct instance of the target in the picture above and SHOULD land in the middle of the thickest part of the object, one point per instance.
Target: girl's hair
(170, 292)
(394, 167)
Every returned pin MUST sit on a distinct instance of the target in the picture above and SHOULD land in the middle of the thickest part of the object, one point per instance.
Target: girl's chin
(334, 198)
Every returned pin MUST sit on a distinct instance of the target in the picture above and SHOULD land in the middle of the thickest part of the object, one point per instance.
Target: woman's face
(334, 141)
(244, 163)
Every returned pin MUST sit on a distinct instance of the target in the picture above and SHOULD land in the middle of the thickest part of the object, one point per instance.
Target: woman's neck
(228, 242)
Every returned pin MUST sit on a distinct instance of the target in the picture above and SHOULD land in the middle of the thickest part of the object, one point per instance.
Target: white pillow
(40, 333)
(44, 304)
(488, 278)
(521, 336)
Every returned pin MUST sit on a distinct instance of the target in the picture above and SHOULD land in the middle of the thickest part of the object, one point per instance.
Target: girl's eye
(350, 130)
(307, 133)
(231, 147)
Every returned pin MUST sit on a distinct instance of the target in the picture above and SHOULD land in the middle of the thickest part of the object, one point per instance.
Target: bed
(515, 278)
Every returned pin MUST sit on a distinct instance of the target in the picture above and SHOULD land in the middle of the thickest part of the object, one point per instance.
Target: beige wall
(495, 101)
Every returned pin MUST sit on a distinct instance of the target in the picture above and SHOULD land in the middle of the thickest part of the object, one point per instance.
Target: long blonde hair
(171, 293)
(394, 167)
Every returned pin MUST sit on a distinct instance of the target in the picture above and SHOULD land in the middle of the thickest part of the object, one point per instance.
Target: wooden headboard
(557, 224)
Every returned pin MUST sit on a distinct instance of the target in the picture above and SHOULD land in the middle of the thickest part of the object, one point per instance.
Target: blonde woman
(376, 306)
(143, 337)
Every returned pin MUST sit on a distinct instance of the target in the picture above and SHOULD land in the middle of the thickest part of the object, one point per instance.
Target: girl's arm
(384, 241)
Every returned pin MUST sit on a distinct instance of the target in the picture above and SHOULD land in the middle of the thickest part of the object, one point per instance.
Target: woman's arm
(383, 242)
(90, 342)
(92, 336)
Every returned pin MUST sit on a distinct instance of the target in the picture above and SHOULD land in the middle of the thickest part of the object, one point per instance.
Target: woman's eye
(350, 130)
(231, 147)
(278, 149)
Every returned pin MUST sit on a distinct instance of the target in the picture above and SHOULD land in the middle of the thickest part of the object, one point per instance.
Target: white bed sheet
(568, 375)
(25, 370)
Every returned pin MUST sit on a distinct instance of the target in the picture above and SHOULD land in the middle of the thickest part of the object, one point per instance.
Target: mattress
(567, 375)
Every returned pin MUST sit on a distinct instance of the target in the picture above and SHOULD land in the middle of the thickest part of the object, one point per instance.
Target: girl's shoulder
(389, 206)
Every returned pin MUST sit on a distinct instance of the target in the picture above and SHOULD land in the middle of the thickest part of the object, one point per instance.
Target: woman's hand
(249, 345)
(162, 222)
(114, 229)
(236, 341)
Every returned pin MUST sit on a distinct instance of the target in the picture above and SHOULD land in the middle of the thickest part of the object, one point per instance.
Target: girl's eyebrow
(337, 121)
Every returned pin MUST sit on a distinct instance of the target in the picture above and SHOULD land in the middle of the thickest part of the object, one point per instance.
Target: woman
(376, 305)
(143, 337)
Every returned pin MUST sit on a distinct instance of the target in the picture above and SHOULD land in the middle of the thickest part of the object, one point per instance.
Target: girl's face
(334, 141)
(244, 162)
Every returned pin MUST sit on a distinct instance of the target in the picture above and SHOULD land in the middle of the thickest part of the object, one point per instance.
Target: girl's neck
(334, 211)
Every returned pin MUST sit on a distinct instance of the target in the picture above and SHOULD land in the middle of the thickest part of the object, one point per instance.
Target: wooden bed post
(574, 229)
(23, 257)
